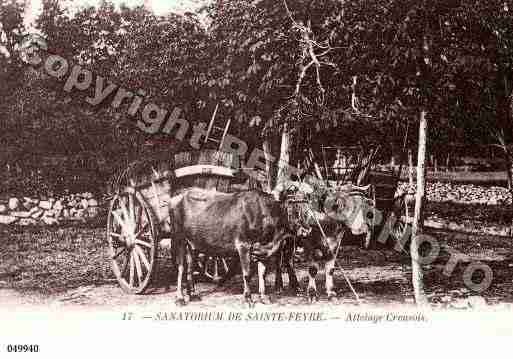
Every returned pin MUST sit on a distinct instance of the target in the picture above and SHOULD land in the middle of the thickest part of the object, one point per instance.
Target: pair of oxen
(263, 228)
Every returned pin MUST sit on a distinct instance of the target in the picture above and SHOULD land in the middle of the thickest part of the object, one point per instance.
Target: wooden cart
(138, 225)
(358, 165)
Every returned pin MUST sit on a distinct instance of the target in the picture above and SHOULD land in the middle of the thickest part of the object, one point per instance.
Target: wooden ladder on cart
(215, 133)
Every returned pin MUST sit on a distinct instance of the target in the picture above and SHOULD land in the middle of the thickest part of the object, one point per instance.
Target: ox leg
(191, 287)
(330, 270)
(245, 263)
(262, 271)
(180, 259)
(278, 279)
(286, 259)
(291, 272)
(367, 242)
(312, 287)
(329, 267)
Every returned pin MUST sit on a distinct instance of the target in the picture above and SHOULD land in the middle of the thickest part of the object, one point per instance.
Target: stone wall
(49, 211)
(463, 193)
(83, 207)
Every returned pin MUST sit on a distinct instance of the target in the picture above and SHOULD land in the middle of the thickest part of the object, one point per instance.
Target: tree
(280, 69)
(408, 76)
(11, 33)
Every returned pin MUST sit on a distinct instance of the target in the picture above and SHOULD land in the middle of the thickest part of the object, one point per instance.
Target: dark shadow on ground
(55, 260)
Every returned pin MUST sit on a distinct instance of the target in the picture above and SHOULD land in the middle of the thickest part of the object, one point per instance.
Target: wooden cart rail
(195, 170)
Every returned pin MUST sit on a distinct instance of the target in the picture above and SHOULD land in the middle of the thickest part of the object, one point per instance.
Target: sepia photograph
(275, 163)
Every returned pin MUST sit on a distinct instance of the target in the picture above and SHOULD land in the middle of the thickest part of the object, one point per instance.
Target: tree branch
(309, 47)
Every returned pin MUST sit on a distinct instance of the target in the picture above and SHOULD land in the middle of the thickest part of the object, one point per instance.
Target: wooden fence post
(410, 169)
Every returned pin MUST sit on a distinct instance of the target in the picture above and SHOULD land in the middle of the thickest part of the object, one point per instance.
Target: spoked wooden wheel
(214, 268)
(132, 241)
(403, 220)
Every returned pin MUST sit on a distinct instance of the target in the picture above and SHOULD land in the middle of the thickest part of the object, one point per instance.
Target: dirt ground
(68, 267)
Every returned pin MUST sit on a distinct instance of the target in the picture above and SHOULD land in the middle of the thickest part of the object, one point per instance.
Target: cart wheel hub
(130, 241)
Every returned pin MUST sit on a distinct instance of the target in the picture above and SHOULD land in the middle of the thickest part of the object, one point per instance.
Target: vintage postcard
(202, 168)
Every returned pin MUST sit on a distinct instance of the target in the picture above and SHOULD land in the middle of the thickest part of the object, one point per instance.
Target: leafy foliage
(325, 64)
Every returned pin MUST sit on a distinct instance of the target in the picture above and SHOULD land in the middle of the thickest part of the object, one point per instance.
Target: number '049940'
(22, 348)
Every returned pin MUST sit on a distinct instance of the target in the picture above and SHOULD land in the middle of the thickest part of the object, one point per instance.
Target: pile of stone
(49, 211)
(464, 193)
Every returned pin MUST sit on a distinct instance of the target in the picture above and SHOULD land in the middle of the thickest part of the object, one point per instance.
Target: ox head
(354, 210)
(294, 196)
(298, 218)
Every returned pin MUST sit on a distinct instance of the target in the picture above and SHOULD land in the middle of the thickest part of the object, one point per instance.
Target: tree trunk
(392, 162)
(416, 268)
(284, 156)
(509, 174)
(148, 5)
(268, 165)
(410, 169)
(28, 14)
(509, 171)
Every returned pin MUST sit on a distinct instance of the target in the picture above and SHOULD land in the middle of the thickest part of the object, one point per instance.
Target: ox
(337, 211)
(250, 223)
